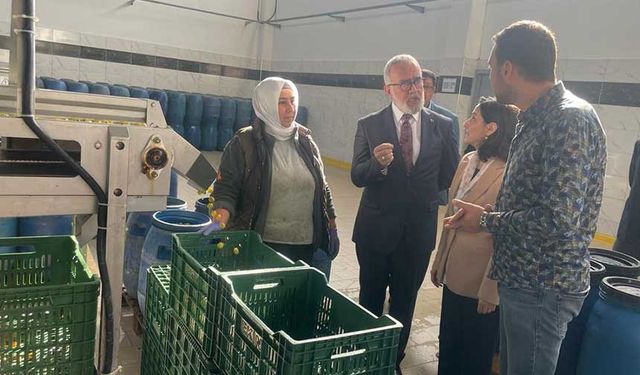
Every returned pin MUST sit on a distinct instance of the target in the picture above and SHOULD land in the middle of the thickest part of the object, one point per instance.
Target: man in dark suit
(628, 240)
(430, 86)
(403, 156)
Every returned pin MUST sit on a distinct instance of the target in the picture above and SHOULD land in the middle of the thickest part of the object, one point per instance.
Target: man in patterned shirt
(546, 212)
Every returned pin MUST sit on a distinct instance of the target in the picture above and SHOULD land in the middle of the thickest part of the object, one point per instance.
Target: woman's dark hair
(506, 117)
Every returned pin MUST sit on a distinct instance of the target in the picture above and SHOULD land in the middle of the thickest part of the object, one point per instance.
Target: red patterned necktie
(406, 141)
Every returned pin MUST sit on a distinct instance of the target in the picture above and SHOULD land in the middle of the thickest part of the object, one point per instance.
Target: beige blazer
(463, 259)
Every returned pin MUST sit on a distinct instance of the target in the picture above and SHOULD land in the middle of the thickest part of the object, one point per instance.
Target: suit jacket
(443, 197)
(465, 258)
(399, 204)
(455, 128)
(628, 239)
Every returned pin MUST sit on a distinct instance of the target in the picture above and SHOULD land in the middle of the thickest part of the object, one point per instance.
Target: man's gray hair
(395, 60)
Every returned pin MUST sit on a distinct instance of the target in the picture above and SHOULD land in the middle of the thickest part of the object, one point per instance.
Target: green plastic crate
(48, 308)
(155, 330)
(291, 322)
(183, 353)
(194, 285)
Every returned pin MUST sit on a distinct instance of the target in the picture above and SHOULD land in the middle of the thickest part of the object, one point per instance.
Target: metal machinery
(124, 144)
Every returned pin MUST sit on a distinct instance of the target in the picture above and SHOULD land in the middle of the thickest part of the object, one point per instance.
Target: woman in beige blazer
(469, 319)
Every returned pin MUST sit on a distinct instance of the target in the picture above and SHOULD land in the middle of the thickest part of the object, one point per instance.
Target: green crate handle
(268, 283)
(349, 354)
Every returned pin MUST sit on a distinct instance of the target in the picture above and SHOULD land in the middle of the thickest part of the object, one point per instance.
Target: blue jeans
(533, 323)
(322, 262)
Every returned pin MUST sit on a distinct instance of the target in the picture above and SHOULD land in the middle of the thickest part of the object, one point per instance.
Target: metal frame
(113, 134)
(336, 15)
(116, 219)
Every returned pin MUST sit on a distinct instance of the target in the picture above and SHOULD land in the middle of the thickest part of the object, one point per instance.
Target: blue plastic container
(192, 120)
(96, 88)
(209, 126)
(173, 184)
(8, 228)
(617, 263)
(193, 114)
(54, 84)
(227, 122)
(77, 87)
(162, 98)
(611, 343)
(302, 115)
(177, 106)
(117, 90)
(570, 349)
(243, 113)
(45, 225)
(202, 205)
(158, 243)
(138, 224)
(138, 92)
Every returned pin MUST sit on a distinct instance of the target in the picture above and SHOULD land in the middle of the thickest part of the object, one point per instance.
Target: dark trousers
(403, 272)
(294, 252)
(467, 339)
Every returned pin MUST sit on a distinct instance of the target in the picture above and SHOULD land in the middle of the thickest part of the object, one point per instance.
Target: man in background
(430, 81)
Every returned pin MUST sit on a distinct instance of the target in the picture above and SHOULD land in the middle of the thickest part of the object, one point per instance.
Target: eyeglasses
(429, 88)
(407, 84)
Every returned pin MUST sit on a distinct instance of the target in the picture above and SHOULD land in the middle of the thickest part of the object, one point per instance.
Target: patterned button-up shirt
(547, 208)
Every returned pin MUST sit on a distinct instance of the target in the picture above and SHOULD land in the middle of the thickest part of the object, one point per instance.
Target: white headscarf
(265, 104)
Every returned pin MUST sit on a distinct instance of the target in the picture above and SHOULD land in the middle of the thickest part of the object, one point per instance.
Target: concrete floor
(423, 344)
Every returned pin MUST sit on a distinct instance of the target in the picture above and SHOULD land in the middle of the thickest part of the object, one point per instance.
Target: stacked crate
(237, 307)
(49, 306)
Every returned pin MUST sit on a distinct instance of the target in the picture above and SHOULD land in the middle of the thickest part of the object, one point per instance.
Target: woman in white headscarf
(271, 179)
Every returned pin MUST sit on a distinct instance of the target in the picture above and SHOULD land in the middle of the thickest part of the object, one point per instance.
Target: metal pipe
(346, 11)
(194, 9)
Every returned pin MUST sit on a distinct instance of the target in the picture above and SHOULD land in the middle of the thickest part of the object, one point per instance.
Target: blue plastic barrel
(302, 115)
(243, 113)
(209, 126)
(570, 349)
(227, 122)
(77, 87)
(192, 120)
(54, 84)
(202, 205)
(138, 92)
(173, 184)
(177, 106)
(611, 343)
(158, 243)
(96, 88)
(193, 115)
(88, 83)
(39, 83)
(161, 97)
(616, 263)
(117, 90)
(137, 226)
(45, 225)
(8, 228)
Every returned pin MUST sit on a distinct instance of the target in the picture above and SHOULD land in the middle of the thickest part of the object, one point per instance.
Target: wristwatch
(483, 221)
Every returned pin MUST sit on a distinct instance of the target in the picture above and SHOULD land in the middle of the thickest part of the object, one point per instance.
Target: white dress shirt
(415, 128)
